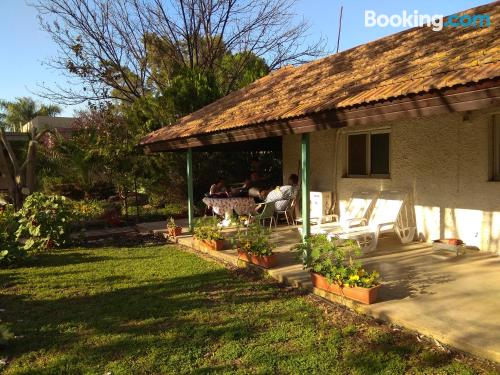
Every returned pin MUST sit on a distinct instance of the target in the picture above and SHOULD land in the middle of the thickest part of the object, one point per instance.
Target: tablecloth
(225, 206)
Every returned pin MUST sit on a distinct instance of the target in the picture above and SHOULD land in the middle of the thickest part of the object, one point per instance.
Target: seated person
(242, 190)
(281, 195)
(255, 185)
(218, 189)
(290, 191)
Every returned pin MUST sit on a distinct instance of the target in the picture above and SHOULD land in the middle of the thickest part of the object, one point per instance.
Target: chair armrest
(381, 225)
(358, 220)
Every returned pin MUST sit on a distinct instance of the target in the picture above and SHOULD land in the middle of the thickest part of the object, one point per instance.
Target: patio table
(225, 206)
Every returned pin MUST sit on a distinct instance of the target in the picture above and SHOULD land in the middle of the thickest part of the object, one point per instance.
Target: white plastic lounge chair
(356, 213)
(389, 214)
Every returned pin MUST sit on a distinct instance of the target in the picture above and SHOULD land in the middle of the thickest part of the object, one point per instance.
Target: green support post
(305, 152)
(190, 188)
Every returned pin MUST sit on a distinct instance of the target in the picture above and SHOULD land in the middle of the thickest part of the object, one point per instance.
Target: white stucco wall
(443, 161)
(322, 157)
(50, 122)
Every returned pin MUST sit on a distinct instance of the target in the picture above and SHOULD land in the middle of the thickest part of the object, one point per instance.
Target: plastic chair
(267, 213)
(285, 211)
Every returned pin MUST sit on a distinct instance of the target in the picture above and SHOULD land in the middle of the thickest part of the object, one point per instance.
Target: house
(64, 125)
(417, 111)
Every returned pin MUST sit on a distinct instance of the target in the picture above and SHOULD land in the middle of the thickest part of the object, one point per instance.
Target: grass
(160, 310)
(149, 213)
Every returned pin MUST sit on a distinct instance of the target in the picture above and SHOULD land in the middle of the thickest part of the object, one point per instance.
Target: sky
(24, 47)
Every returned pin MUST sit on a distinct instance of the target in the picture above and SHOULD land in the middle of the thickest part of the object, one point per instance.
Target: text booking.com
(414, 19)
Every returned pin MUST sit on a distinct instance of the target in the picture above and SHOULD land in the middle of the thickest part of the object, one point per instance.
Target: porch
(417, 127)
(453, 299)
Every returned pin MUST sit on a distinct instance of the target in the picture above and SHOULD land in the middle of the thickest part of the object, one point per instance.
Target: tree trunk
(17, 176)
(30, 167)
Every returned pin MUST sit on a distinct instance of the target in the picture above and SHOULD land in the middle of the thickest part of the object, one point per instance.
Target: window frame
(368, 134)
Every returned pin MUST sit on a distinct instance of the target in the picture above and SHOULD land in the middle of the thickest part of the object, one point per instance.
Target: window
(368, 154)
(357, 154)
(496, 148)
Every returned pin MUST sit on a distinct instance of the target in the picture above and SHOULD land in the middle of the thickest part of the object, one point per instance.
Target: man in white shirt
(282, 195)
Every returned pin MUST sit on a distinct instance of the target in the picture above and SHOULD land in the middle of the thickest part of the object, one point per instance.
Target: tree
(19, 176)
(98, 150)
(17, 113)
(133, 48)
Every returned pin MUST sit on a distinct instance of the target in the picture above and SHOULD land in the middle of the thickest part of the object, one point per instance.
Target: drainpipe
(339, 132)
(189, 168)
(305, 153)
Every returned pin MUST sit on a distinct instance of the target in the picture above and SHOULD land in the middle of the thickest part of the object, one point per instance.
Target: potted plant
(254, 246)
(334, 269)
(173, 229)
(208, 235)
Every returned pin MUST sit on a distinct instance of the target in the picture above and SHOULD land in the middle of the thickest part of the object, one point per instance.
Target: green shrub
(334, 260)
(44, 222)
(9, 249)
(207, 228)
(255, 240)
(87, 210)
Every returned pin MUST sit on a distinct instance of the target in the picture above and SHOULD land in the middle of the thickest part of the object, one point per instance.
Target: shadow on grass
(202, 320)
(187, 312)
(61, 258)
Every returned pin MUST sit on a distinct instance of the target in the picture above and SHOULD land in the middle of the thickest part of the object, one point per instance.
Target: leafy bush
(87, 210)
(207, 228)
(44, 222)
(9, 249)
(255, 240)
(334, 260)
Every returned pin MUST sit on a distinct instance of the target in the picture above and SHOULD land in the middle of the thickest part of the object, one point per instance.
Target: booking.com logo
(436, 21)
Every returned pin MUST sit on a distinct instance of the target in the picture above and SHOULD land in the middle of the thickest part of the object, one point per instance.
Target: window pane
(379, 154)
(357, 154)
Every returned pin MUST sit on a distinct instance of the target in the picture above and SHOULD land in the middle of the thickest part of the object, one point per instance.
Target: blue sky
(24, 47)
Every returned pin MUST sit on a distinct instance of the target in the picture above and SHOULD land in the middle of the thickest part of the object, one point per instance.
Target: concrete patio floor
(454, 299)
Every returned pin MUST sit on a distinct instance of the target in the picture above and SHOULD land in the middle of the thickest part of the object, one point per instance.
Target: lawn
(161, 310)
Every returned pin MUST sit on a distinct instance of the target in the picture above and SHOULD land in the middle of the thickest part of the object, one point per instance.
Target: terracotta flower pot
(266, 261)
(363, 295)
(174, 232)
(214, 244)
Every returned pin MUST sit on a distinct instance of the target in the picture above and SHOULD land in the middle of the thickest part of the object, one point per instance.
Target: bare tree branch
(108, 46)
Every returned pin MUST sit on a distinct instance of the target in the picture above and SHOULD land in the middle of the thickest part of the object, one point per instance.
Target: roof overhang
(459, 99)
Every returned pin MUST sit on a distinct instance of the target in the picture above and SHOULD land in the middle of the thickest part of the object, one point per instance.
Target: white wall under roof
(443, 161)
